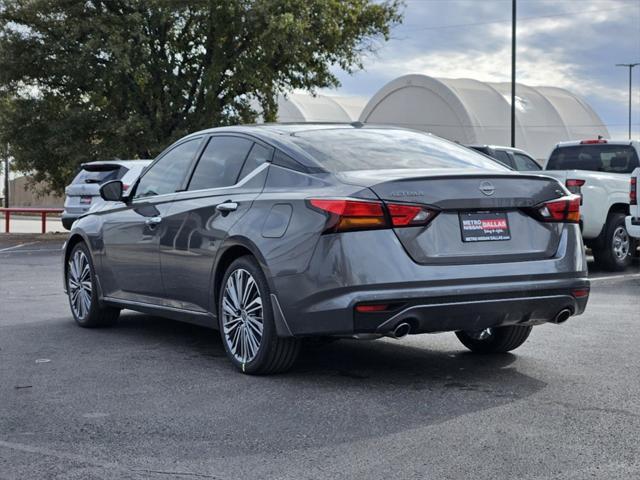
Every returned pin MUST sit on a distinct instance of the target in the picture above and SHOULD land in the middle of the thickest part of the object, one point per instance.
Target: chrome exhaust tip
(402, 330)
(562, 316)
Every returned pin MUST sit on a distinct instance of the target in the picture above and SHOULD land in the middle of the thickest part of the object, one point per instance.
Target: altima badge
(487, 188)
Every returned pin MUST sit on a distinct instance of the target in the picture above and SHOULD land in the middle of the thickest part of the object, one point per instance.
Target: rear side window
(99, 174)
(259, 154)
(525, 163)
(343, 149)
(504, 158)
(167, 174)
(597, 158)
(220, 163)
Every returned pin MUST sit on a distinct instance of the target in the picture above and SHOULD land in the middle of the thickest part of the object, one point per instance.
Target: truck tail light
(574, 185)
(562, 210)
(350, 214)
(633, 191)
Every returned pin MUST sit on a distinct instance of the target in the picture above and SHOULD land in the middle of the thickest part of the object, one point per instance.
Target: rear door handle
(227, 207)
(153, 221)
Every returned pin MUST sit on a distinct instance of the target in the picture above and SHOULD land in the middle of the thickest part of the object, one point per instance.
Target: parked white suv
(599, 171)
(84, 191)
(633, 220)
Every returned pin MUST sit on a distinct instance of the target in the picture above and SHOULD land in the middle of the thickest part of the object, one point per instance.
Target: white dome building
(473, 112)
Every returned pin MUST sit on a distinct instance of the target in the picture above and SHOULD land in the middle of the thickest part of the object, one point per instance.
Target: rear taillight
(349, 214)
(409, 215)
(633, 192)
(125, 187)
(593, 142)
(564, 210)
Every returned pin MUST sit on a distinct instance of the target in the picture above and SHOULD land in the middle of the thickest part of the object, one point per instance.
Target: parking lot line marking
(21, 447)
(33, 250)
(52, 453)
(16, 246)
(616, 277)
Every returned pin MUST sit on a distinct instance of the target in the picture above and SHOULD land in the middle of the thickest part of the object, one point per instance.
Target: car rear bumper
(633, 226)
(442, 309)
(373, 268)
(68, 219)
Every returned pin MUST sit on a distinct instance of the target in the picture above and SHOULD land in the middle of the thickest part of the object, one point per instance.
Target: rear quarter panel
(599, 193)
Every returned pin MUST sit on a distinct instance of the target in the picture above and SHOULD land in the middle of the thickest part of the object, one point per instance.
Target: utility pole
(5, 154)
(513, 73)
(630, 67)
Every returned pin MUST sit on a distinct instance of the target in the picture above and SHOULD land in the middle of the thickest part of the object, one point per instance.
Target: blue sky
(573, 44)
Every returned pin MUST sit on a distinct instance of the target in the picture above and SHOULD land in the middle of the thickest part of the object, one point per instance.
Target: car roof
(501, 147)
(573, 143)
(274, 130)
(279, 135)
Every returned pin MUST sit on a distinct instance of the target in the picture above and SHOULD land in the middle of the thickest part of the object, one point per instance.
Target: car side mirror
(112, 191)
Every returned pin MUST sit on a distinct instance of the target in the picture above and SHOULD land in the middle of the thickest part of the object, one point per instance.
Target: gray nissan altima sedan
(274, 233)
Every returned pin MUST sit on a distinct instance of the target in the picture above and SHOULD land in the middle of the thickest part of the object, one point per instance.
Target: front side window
(166, 175)
(220, 163)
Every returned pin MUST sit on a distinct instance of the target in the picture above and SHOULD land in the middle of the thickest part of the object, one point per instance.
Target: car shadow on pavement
(349, 390)
(597, 270)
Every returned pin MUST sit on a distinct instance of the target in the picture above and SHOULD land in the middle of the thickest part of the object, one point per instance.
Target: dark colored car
(278, 232)
(513, 158)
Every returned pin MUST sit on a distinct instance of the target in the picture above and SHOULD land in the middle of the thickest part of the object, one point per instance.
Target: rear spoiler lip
(496, 176)
(99, 167)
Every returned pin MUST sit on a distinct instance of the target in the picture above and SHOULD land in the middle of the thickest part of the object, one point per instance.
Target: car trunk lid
(483, 217)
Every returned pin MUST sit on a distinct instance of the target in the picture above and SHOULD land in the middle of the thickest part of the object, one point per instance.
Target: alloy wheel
(79, 284)
(242, 319)
(621, 243)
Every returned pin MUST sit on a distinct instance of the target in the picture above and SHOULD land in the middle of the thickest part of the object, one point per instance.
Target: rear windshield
(342, 150)
(597, 158)
(100, 176)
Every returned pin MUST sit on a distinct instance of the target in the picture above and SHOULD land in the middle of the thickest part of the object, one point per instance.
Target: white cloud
(572, 45)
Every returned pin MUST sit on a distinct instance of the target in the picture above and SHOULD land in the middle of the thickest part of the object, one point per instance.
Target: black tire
(274, 354)
(498, 340)
(612, 254)
(95, 315)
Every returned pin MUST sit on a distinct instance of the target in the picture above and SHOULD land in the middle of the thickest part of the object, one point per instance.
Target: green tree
(97, 79)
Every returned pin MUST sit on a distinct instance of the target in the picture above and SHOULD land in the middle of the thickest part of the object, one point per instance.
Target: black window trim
(198, 157)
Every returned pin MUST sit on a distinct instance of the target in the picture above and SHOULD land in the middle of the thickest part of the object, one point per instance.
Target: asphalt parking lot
(152, 398)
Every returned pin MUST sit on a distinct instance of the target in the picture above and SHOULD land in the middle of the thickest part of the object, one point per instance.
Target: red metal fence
(42, 211)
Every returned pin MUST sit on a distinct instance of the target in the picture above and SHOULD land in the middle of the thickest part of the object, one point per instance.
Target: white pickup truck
(633, 220)
(599, 170)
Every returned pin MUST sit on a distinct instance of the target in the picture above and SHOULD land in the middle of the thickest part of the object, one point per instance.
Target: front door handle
(227, 207)
(153, 221)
